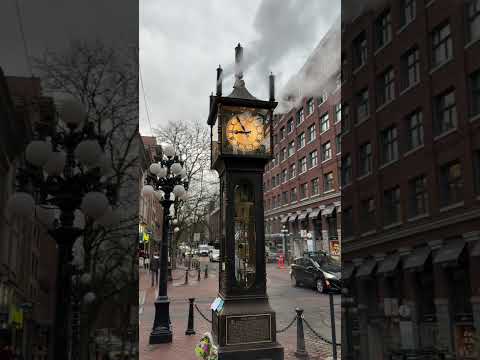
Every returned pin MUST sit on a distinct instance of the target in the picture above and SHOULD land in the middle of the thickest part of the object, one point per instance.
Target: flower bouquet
(205, 349)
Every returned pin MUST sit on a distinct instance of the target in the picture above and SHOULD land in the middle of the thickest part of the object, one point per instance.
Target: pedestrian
(146, 262)
(154, 269)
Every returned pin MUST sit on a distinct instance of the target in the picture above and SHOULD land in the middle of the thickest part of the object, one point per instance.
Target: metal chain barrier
(288, 326)
(178, 278)
(317, 334)
(194, 273)
(201, 314)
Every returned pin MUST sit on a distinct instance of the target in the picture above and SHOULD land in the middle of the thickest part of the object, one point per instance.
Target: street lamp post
(167, 177)
(284, 231)
(65, 171)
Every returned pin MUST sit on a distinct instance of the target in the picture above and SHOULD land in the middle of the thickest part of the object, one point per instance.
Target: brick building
(302, 193)
(411, 179)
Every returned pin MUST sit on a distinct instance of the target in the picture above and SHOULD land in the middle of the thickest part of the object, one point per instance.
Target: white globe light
(177, 229)
(168, 150)
(179, 190)
(45, 216)
(89, 298)
(72, 112)
(159, 195)
(88, 152)
(162, 172)
(155, 168)
(94, 204)
(174, 221)
(38, 152)
(56, 163)
(21, 204)
(183, 173)
(86, 279)
(176, 168)
(147, 190)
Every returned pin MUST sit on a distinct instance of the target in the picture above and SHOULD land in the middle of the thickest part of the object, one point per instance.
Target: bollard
(206, 271)
(190, 330)
(186, 277)
(199, 274)
(300, 353)
(332, 322)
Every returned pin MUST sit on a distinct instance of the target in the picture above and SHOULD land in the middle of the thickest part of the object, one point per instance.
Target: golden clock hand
(243, 127)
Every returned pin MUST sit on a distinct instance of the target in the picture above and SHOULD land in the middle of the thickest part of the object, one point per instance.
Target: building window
(303, 191)
(291, 148)
(383, 29)
(473, 19)
(338, 112)
(283, 154)
(408, 12)
(278, 179)
(338, 143)
(410, 67)
(293, 195)
(289, 126)
(326, 151)
(301, 140)
(302, 165)
(347, 221)
(445, 112)
(418, 196)
(451, 184)
(282, 133)
(414, 130)
(360, 50)
(442, 48)
(362, 105)
(386, 87)
(389, 144)
(322, 98)
(346, 169)
(475, 93)
(328, 182)
(300, 116)
(311, 133)
(284, 176)
(391, 205)
(284, 197)
(345, 115)
(314, 187)
(313, 159)
(277, 159)
(343, 68)
(273, 182)
(310, 106)
(476, 171)
(365, 159)
(368, 216)
(291, 171)
(324, 124)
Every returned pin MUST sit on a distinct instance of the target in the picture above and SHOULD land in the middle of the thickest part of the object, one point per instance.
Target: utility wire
(22, 34)
(145, 98)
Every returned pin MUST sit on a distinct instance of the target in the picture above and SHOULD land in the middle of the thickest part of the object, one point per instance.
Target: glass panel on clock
(245, 242)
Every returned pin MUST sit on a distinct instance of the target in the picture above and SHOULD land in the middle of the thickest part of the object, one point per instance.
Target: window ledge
(364, 176)
(430, 3)
(358, 69)
(388, 164)
(451, 207)
(445, 134)
(471, 42)
(346, 185)
(404, 26)
(382, 47)
(393, 225)
(418, 217)
(441, 65)
(348, 238)
(414, 150)
(362, 120)
(323, 132)
(368, 233)
(410, 87)
(339, 153)
(474, 118)
(329, 191)
(385, 104)
(326, 160)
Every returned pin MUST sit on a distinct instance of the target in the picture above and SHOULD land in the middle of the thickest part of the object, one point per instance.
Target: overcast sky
(182, 42)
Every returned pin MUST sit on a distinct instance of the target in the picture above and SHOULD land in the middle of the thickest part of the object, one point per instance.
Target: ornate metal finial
(239, 67)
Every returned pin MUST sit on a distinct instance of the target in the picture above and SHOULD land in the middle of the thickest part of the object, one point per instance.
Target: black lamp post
(284, 231)
(167, 176)
(65, 171)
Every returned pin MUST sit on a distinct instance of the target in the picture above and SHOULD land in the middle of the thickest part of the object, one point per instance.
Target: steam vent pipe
(272, 87)
(219, 80)
(238, 61)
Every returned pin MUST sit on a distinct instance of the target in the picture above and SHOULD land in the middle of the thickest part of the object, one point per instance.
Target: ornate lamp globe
(174, 221)
(168, 150)
(94, 204)
(88, 152)
(155, 168)
(176, 169)
(21, 204)
(147, 190)
(176, 230)
(38, 152)
(72, 112)
(179, 191)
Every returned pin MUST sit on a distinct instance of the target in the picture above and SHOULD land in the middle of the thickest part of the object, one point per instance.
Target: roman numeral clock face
(245, 132)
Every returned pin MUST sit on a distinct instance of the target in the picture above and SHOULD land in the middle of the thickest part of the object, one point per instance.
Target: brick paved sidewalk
(182, 347)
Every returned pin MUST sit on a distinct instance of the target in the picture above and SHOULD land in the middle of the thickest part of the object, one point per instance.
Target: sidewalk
(182, 347)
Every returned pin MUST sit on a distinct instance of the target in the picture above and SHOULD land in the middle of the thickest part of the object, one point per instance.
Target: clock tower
(243, 322)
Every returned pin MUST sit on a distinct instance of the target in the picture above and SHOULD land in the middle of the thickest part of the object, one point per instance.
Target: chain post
(190, 329)
(300, 353)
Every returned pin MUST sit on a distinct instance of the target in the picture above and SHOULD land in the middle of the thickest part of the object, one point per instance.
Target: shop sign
(335, 248)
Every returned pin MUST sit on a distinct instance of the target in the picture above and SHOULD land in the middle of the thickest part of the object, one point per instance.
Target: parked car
(214, 255)
(319, 271)
(272, 256)
(203, 250)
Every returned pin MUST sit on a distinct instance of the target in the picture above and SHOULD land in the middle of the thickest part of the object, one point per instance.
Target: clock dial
(245, 132)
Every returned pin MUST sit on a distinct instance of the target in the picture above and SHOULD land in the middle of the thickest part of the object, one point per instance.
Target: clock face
(245, 132)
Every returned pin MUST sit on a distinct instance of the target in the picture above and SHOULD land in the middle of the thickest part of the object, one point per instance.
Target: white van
(203, 250)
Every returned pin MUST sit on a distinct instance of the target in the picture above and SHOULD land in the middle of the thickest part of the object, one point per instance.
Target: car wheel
(294, 280)
(320, 286)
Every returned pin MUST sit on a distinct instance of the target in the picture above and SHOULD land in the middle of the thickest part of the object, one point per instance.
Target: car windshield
(327, 263)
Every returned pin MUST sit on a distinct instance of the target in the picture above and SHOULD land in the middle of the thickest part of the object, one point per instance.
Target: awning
(314, 214)
(366, 269)
(303, 216)
(284, 219)
(450, 252)
(390, 264)
(292, 218)
(417, 258)
(347, 270)
(328, 211)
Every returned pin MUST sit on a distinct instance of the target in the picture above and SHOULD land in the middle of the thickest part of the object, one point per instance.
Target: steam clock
(243, 322)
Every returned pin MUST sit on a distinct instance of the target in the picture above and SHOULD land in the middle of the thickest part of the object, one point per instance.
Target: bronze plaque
(249, 329)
